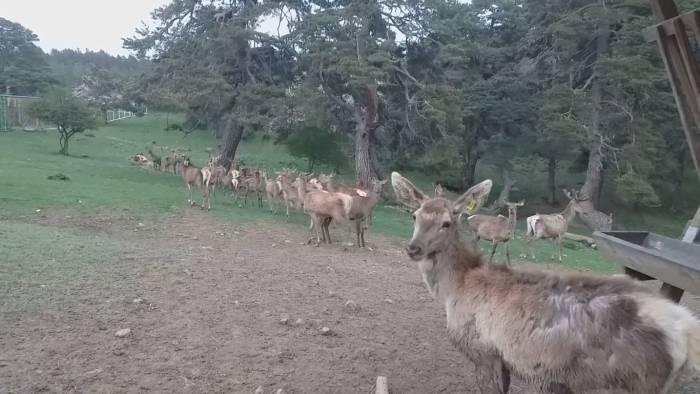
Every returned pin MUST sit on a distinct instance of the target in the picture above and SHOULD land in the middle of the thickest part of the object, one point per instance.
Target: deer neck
(444, 272)
(569, 212)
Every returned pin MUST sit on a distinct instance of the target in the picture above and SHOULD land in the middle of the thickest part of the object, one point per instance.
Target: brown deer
(497, 229)
(322, 207)
(362, 206)
(273, 191)
(563, 333)
(552, 226)
(194, 176)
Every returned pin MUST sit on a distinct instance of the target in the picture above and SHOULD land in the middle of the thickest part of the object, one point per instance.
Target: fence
(14, 114)
(113, 115)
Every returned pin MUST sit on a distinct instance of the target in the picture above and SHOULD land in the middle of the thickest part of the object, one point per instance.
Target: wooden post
(382, 385)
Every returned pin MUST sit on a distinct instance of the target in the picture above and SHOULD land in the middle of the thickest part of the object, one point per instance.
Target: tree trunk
(63, 142)
(471, 159)
(366, 121)
(551, 181)
(363, 166)
(232, 138)
(503, 197)
(589, 213)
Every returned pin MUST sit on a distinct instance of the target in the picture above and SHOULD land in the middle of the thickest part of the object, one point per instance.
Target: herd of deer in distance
(560, 333)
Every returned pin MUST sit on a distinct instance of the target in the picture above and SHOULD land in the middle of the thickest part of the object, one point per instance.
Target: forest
(573, 91)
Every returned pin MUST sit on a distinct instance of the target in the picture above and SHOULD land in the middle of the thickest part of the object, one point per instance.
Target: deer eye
(414, 217)
(446, 224)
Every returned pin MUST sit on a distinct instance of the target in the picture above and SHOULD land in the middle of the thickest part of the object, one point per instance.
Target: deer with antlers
(497, 229)
(552, 226)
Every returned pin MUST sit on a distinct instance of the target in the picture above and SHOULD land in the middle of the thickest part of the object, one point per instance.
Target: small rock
(118, 352)
(259, 390)
(352, 306)
(140, 225)
(124, 332)
(287, 242)
(326, 331)
(299, 322)
(388, 300)
(279, 391)
(38, 210)
(137, 300)
(284, 320)
(195, 238)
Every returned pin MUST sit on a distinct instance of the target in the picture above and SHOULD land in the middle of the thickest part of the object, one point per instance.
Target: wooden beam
(691, 20)
(664, 9)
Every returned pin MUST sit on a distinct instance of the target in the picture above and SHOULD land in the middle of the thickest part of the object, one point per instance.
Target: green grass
(103, 179)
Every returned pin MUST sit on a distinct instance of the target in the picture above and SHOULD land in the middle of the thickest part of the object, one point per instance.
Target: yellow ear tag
(470, 204)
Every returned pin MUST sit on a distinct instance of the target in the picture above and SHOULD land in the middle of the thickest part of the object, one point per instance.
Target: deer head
(436, 221)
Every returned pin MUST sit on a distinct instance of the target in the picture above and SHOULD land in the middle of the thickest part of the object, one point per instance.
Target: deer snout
(414, 251)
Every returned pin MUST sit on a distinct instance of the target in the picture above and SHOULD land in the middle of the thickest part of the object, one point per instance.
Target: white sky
(80, 24)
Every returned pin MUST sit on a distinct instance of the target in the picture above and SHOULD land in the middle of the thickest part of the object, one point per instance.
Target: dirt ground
(218, 308)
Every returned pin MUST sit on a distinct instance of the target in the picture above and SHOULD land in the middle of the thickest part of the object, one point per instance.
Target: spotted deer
(564, 334)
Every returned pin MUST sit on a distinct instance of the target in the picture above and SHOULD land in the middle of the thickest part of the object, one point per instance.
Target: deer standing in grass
(565, 334)
(497, 229)
(196, 176)
(551, 226)
(361, 208)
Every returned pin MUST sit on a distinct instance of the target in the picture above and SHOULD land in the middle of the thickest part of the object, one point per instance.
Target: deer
(322, 207)
(253, 184)
(171, 161)
(195, 176)
(552, 226)
(563, 333)
(361, 208)
(273, 191)
(497, 229)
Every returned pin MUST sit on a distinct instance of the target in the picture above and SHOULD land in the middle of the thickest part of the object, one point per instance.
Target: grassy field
(104, 181)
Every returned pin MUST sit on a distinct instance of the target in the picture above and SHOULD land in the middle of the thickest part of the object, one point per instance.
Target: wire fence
(15, 114)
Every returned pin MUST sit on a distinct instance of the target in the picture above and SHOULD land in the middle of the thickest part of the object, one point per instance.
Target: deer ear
(439, 191)
(472, 199)
(406, 192)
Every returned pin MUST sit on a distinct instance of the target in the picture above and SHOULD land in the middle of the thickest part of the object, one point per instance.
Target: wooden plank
(382, 385)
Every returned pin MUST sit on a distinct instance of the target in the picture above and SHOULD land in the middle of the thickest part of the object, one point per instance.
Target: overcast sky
(80, 24)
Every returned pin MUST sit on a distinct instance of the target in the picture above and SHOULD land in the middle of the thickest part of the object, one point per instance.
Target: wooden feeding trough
(645, 255)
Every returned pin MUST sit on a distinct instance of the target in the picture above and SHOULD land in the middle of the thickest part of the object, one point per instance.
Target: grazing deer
(195, 176)
(563, 333)
(497, 229)
(551, 226)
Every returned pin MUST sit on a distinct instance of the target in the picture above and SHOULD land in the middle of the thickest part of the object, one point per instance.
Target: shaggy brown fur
(563, 334)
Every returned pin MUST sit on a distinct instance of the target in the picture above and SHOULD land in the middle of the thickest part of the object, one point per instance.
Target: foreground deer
(552, 226)
(195, 176)
(565, 334)
(497, 229)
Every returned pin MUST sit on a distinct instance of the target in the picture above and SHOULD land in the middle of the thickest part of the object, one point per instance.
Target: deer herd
(560, 333)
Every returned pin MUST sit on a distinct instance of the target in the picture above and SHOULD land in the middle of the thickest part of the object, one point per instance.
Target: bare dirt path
(218, 308)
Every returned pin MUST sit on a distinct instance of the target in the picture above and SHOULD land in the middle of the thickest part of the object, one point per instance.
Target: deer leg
(507, 252)
(559, 247)
(327, 224)
(189, 189)
(358, 229)
(529, 247)
(493, 250)
(362, 235)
